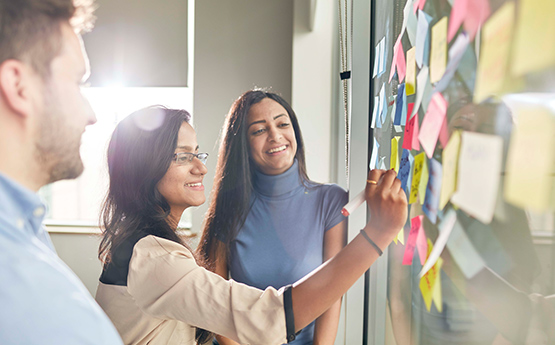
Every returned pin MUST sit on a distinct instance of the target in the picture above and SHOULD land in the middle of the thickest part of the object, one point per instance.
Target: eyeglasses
(184, 158)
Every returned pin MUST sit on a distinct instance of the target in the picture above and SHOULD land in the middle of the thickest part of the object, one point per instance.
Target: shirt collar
(19, 203)
(276, 185)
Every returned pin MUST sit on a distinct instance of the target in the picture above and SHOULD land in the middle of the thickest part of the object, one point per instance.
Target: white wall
(239, 45)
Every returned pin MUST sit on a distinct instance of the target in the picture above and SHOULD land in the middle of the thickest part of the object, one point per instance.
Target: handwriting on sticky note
(405, 170)
(431, 126)
(433, 190)
(419, 161)
(450, 158)
(430, 284)
(415, 229)
(438, 50)
(411, 132)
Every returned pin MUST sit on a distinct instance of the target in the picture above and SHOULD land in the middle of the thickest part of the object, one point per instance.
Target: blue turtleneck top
(283, 235)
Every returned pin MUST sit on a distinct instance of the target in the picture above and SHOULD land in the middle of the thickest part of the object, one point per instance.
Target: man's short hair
(30, 30)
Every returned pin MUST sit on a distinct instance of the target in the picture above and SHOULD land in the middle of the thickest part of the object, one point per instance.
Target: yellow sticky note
(438, 55)
(436, 294)
(533, 40)
(394, 161)
(450, 157)
(419, 160)
(430, 284)
(423, 183)
(496, 44)
(410, 79)
(529, 179)
(400, 236)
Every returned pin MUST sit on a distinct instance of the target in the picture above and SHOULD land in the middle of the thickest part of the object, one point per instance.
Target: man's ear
(17, 85)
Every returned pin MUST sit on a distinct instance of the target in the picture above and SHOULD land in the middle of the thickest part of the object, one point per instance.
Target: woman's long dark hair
(139, 154)
(231, 192)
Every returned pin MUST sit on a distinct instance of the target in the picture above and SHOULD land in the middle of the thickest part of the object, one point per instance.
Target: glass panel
(495, 148)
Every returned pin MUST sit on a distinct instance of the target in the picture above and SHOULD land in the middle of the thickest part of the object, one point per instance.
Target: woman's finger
(388, 178)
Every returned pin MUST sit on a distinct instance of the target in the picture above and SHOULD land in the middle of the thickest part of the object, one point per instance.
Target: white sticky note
(375, 112)
(421, 81)
(479, 173)
(463, 252)
(445, 228)
(374, 157)
(422, 37)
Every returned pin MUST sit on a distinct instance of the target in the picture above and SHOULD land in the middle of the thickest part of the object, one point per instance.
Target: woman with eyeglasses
(268, 224)
(152, 287)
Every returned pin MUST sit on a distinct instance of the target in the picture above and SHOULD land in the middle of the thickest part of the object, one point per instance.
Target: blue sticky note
(404, 112)
(433, 189)
(405, 170)
(399, 105)
(374, 157)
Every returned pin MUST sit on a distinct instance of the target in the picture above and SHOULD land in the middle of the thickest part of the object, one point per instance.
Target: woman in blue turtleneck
(263, 203)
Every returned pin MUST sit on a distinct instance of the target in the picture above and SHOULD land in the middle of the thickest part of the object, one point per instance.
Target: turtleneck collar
(278, 185)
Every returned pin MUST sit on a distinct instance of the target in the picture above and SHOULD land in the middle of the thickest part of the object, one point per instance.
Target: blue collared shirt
(41, 300)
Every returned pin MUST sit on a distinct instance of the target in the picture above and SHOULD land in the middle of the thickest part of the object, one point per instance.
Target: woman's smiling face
(271, 137)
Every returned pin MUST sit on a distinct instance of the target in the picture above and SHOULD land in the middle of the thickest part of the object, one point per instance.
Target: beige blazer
(168, 295)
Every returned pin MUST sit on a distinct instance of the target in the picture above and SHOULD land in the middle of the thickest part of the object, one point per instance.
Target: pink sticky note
(415, 131)
(416, 224)
(421, 243)
(458, 13)
(431, 126)
(399, 61)
(418, 4)
(409, 128)
(476, 14)
(444, 133)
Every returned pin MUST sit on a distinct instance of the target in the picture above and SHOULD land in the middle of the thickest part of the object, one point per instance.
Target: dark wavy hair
(139, 154)
(231, 193)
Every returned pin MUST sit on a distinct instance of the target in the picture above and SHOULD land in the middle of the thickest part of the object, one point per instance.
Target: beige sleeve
(166, 283)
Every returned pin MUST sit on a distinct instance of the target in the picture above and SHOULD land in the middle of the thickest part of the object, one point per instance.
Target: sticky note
(399, 62)
(418, 5)
(394, 161)
(430, 285)
(412, 23)
(533, 47)
(444, 133)
(433, 190)
(374, 156)
(529, 180)
(416, 239)
(381, 164)
(377, 54)
(450, 158)
(427, 96)
(401, 236)
(422, 39)
(411, 72)
(410, 140)
(438, 57)
(445, 228)
(423, 183)
(399, 105)
(456, 53)
(496, 43)
(431, 125)
(463, 252)
(473, 13)
(375, 112)
(421, 82)
(479, 172)
(419, 160)
(405, 170)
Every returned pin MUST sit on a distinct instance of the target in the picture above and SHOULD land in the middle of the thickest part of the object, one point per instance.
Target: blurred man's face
(65, 112)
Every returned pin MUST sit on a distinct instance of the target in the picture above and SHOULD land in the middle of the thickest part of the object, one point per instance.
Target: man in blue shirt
(42, 117)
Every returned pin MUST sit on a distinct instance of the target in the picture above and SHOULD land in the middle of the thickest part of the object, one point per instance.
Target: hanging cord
(345, 74)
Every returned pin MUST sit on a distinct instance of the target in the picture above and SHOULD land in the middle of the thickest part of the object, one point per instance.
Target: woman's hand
(387, 204)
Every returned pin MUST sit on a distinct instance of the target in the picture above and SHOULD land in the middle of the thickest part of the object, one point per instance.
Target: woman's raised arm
(315, 293)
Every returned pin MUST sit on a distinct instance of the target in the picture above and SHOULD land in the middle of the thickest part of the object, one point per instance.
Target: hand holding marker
(355, 202)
